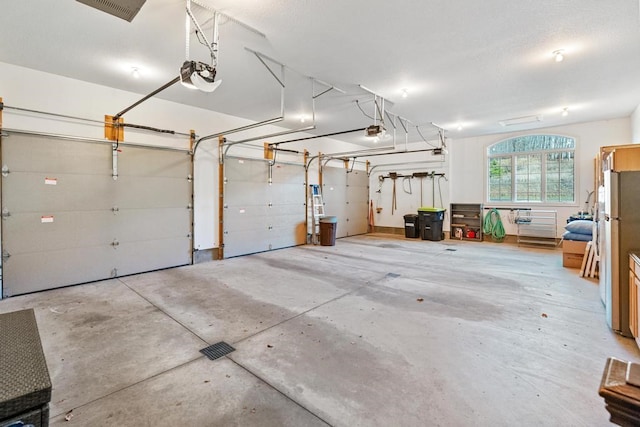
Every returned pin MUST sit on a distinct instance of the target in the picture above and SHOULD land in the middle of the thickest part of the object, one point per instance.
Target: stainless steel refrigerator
(619, 233)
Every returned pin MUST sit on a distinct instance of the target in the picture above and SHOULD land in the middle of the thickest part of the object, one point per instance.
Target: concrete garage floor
(334, 335)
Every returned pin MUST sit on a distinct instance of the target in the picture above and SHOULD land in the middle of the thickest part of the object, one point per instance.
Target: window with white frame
(532, 169)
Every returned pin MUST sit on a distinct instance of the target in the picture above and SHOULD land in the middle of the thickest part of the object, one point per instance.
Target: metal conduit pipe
(86, 139)
(101, 123)
(394, 165)
(319, 136)
(54, 114)
(395, 152)
(236, 130)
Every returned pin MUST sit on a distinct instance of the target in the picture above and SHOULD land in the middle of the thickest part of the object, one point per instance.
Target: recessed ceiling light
(135, 72)
(565, 111)
(558, 55)
(405, 93)
(459, 127)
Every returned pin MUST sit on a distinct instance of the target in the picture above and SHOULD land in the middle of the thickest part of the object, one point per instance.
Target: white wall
(468, 184)
(35, 90)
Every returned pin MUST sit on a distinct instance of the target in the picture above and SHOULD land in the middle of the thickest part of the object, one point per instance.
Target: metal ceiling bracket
(262, 57)
(329, 86)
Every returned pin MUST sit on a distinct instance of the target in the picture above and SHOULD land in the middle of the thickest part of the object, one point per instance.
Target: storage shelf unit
(537, 227)
(466, 221)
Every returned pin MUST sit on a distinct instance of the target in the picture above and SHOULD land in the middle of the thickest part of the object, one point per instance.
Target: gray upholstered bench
(25, 386)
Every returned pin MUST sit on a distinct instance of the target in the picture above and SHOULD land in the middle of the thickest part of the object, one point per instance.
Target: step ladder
(315, 211)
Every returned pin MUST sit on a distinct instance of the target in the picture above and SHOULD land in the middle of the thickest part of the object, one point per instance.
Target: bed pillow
(580, 227)
(567, 235)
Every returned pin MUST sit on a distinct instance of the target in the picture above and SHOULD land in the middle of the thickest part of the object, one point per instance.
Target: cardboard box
(572, 260)
(573, 247)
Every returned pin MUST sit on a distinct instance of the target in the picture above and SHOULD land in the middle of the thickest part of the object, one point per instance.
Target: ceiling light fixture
(135, 72)
(521, 120)
(558, 55)
(405, 93)
(459, 126)
(565, 111)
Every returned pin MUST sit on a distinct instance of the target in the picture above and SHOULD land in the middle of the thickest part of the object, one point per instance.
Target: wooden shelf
(466, 220)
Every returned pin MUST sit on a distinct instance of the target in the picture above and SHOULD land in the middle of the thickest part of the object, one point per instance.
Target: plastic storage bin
(328, 227)
(411, 226)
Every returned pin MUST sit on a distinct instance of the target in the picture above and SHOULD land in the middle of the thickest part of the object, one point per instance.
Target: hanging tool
(379, 191)
(406, 179)
(421, 175)
(394, 202)
(372, 222)
(433, 188)
(440, 188)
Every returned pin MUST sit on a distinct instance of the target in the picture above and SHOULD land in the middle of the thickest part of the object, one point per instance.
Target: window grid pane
(560, 176)
(500, 179)
(529, 178)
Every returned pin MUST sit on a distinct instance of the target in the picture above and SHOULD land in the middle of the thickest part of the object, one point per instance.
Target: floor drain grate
(217, 350)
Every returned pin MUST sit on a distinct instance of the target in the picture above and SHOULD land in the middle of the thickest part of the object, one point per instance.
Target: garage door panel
(357, 225)
(288, 235)
(246, 193)
(29, 192)
(138, 161)
(30, 232)
(287, 174)
(287, 193)
(245, 170)
(151, 224)
(152, 192)
(34, 153)
(243, 242)
(285, 209)
(246, 217)
(149, 255)
(37, 271)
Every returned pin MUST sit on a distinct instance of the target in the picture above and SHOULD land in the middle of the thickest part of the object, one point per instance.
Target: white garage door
(346, 196)
(260, 213)
(67, 221)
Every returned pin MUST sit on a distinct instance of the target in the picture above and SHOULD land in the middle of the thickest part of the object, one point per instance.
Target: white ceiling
(465, 62)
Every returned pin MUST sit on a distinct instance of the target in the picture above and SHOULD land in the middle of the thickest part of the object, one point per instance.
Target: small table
(25, 386)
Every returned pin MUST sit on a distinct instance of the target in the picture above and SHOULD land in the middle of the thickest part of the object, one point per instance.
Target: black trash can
(411, 226)
(328, 227)
(430, 222)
